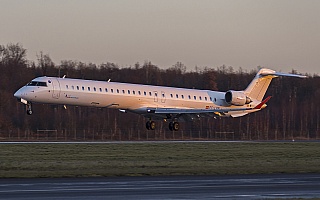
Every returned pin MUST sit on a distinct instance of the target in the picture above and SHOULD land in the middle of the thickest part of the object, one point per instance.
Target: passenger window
(163, 95)
(72, 87)
(106, 89)
(182, 96)
(171, 95)
(77, 87)
(82, 88)
(195, 98)
(150, 93)
(189, 96)
(88, 88)
(94, 89)
(128, 91)
(177, 96)
(117, 90)
(139, 92)
(100, 89)
(144, 93)
(133, 92)
(200, 97)
(205, 98)
(111, 90)
(123, 91)
(210, 99)
(67, 86)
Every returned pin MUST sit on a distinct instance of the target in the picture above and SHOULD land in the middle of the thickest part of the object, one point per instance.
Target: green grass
(87, 160)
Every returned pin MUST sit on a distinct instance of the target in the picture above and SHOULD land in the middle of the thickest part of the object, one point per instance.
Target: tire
(152, 125)
(148, 125)
(171, 126)
(176, 126)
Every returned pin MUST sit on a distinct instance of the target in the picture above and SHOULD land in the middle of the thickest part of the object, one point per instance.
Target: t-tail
(255, 91)
(259, 85)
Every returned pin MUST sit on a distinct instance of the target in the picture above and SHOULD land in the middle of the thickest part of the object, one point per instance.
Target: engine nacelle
(237, 98)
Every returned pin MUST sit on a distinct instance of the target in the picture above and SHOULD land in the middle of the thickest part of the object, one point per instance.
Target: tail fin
(259, 85)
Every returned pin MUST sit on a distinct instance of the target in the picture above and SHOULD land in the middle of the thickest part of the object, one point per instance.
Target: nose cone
(17, 94)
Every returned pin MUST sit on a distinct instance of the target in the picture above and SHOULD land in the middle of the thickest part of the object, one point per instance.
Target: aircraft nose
(18, 94)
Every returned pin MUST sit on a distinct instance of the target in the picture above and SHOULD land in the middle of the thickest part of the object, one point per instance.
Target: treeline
(292, 113)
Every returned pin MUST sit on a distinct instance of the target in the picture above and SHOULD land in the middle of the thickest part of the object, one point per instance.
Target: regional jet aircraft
(154, 102)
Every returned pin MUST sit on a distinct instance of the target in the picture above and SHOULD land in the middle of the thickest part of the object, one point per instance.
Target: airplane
(154, 102)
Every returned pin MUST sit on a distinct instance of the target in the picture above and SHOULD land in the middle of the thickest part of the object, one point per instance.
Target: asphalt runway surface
(165, 187)
(155, 142)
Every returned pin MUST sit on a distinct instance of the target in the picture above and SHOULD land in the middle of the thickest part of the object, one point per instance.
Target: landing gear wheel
(151, 125)
(29, 112)
(148, 125)
(29, 109)
(174, 126)
(171, 126)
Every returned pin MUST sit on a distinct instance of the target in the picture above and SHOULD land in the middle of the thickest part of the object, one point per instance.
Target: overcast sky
(278, 34)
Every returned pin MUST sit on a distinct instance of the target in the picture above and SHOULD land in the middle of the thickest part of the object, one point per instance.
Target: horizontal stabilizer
(282, 74)
(259, 106)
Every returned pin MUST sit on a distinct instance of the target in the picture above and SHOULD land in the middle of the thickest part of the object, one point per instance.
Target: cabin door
(56, 88)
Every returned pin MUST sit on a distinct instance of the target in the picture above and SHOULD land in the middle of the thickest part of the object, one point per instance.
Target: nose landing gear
(29, 108)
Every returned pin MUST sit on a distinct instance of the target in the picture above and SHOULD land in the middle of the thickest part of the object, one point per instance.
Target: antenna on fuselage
(109, 80)
(64, 76)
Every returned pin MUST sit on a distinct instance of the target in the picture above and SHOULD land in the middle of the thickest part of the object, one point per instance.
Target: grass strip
(139, 159)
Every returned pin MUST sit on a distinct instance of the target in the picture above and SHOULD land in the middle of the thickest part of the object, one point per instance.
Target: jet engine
(237, 98)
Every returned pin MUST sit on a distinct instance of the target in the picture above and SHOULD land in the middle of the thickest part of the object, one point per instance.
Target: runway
(169, 187)
(158, 142)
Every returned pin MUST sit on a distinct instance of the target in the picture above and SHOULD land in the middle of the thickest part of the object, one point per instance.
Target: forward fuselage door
(56, 88)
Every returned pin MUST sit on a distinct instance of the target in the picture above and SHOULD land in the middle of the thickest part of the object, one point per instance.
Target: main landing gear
(150, 125)
(173, 126)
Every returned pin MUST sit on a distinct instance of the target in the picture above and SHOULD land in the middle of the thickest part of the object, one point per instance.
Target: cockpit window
(37, 83)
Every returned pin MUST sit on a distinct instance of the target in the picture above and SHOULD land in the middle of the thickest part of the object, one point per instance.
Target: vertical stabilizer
(259, 85)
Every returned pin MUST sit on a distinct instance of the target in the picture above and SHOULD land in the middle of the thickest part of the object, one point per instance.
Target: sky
(277, 34)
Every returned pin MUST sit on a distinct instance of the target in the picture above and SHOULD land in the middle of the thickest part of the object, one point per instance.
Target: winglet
(260, 105)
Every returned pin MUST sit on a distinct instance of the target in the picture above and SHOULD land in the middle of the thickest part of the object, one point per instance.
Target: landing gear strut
(174, 126)
(150, 125)
(29, 108)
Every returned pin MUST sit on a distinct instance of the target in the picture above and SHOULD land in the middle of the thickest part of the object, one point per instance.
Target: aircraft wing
(191, 110)
(188, 114)
(196, 113)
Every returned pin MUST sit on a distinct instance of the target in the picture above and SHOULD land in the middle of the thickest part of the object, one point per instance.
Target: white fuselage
(131, 97)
